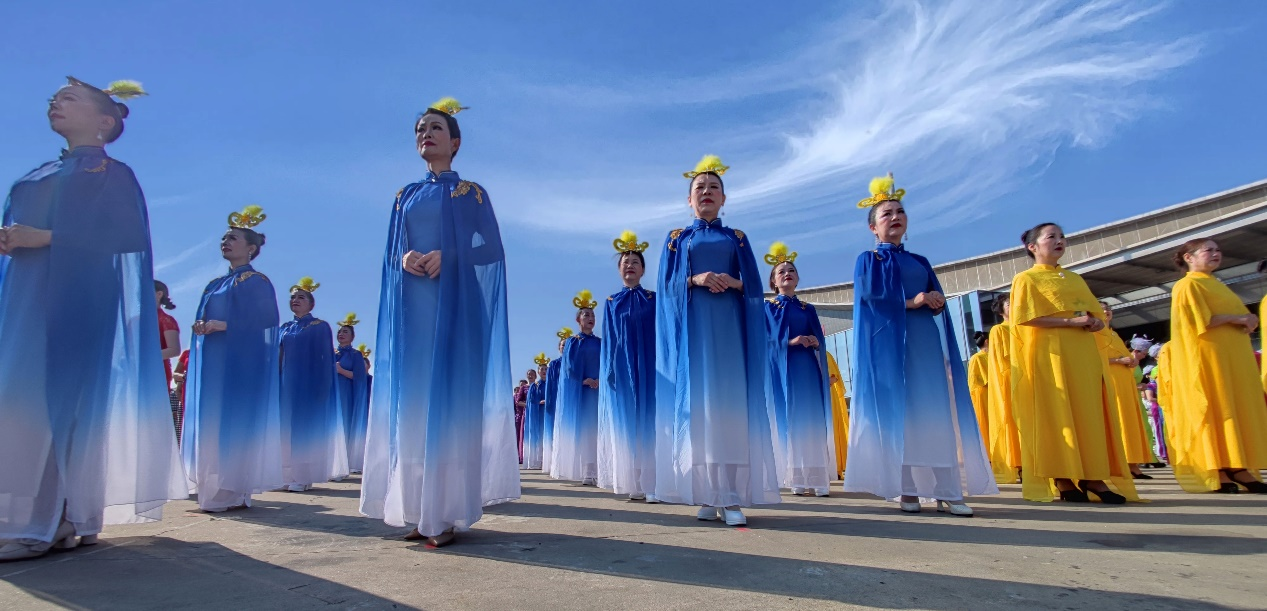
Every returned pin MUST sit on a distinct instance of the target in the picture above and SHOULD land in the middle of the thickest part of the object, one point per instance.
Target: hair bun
(123, 110)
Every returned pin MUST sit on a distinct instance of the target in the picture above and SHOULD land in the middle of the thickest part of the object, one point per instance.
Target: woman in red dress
(169, 336)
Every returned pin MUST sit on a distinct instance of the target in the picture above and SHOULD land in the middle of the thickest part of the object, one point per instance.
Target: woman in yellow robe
(1124, 395)
(1070, 443)
(1004, 443)
(840, 414)
(1216, 423)
(978, 380)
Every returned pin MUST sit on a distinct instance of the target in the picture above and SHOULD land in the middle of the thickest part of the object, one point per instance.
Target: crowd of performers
(701, 392)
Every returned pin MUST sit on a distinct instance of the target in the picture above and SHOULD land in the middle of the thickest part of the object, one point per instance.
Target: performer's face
(785, 277)
(1050, 243)
(532, 376)
(890, 222)
(234, 247)
(585, 318)
(433, 139)
(345, 336)
(1205, 259)
(706, 197)
(72, 113)
(541, 371)
(561, 343)
(300, 303)
(631, 269)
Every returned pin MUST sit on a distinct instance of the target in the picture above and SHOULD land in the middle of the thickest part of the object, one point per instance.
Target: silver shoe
(735, 517)
(707, 513)
(956, 508)
(908, 507)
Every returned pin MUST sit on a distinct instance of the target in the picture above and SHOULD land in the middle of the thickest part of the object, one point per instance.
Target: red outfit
(166, 323)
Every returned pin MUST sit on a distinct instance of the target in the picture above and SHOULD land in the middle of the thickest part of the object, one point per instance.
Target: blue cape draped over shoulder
(576, 421)
(877, 412)
(83, 399)
(534, 414)
(626, 404)
(466, 456)
(354, 403)
(782, 382)
(552, 404)
(314, 448)
(678, 463)
(231, 440)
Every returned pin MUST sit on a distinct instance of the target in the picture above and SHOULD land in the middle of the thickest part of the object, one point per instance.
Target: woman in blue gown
(626, 404)
(552, 404)
(912, 431)
(713, 444)
(804, 441)
(352, 386)
(76, 295)
(576, 419)
(231, 441)
(313, 446)
(441, 439)
(534, 416)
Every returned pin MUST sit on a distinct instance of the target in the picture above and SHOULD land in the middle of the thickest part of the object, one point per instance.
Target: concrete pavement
(567, 547)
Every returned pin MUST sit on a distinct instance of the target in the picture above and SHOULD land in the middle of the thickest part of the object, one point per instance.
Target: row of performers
(682, 381)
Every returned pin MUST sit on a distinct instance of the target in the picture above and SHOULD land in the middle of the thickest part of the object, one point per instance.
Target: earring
(99, 138)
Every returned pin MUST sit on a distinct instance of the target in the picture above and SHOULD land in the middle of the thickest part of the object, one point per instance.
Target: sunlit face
(1050, 243)
(433, 139)
(1207, 258)
(72, 113)
(706, 197)
(890, 222)
(234, 247)
(541, 371)
(1108, 313)
(786, 277)
(344, 336)
(562, 342)
(1007, 309)
(300, 303)
(532, 376)
(631, 269)
(585, 318)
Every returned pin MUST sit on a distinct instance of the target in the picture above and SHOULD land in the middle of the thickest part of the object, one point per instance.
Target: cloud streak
(961, 99)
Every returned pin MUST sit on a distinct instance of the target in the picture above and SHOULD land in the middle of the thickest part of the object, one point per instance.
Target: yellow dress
(978, 380)
(1067, 424)
(1217, 418)
(840, 411)
(1004, 442)
(1262, 314)
(1124, 394)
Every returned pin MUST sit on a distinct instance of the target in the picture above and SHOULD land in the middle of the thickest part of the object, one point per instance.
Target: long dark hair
(166, 302)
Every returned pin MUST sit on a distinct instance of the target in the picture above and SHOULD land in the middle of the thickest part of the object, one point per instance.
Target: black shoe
(1106, 497)
(1159, 465)
(1074, 496)
(1253, 486)
(1141, 476)
(1227, 489)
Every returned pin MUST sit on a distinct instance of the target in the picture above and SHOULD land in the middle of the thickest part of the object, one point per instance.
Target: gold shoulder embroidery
(244, 276)
(609, 299)
(773, 301)
(739, 234)
(465, 187)
(100, 168)
(398, 194)
(673, 236)
(650, 294)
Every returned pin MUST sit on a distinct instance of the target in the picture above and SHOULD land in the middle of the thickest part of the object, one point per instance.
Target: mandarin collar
(713, 224)
(449, 177)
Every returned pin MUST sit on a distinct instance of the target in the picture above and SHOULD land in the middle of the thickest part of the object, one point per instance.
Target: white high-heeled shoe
(956, 508)
(735, 517)
(908, 507)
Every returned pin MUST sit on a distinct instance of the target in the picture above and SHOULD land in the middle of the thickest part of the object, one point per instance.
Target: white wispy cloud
(184, 255)
(962, 99)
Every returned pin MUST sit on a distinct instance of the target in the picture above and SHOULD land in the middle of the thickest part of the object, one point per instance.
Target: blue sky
(993, 116)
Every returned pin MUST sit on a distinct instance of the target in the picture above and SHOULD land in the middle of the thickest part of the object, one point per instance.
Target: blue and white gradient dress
(441, 443)
(576, 418)
(626, 404)
(551, 409)
(804, 441)
(353, 396)
(912, 427)
(713, 443)
(314, 448)
(534, 418)
(86, 432)
(231, 441)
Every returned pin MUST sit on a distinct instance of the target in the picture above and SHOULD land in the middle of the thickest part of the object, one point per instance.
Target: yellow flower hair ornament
(350, 321)
(565, 333)
(882, 191)
(249, 218)
(584, 300)
(364, 350)
(779, 254)
(541, 359)
(710, 163)
(121, 90)
(628, 242)
(449, 106)
(306, 284)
